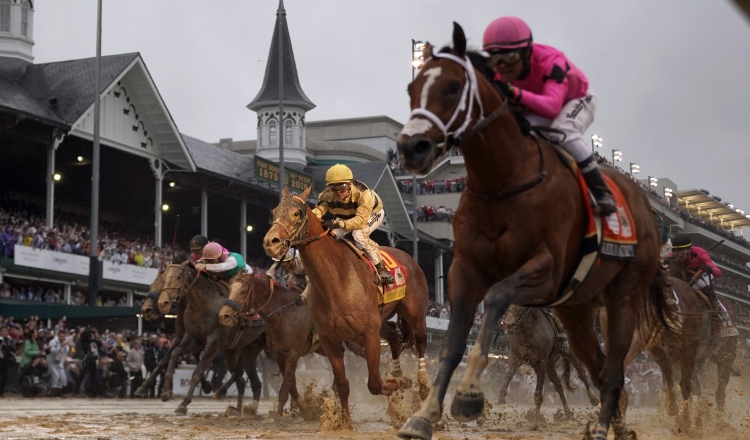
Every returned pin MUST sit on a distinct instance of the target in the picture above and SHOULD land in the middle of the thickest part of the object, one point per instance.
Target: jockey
(357, 209)
(221, 262)
(197, 244)
(695, 258)
(553, 90)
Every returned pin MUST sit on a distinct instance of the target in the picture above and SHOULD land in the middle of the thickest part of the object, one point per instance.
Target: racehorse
(518, 230)
(289, 329)
(684, 341)
(722, 349)
(150, 312)
(532, 341)
(343, 297)
(204, 299)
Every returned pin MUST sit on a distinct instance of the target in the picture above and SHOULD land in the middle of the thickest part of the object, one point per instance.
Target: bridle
(469, 96)
(246, 307)
(297, 229)
(181, 290)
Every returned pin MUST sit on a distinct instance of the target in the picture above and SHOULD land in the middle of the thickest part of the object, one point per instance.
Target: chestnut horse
(532, 341)
(289, 329)
(685, 342)
(518, 235)
(343, 296)
(241, 346)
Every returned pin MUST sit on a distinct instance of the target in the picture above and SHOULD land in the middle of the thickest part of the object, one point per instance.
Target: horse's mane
(480, 64)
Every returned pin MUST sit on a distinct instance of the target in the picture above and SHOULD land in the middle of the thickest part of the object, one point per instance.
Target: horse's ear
(427, 51)
(285, 192)
(306, 193)
(459, 40)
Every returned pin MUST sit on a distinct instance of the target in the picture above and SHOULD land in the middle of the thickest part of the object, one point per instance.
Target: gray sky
(671, 75)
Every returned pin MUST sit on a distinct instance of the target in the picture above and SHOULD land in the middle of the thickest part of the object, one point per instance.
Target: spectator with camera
(58, 351)
(7, 357)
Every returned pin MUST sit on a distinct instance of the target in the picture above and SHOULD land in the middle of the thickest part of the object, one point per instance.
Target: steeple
(296, 103)
(269, 91)
(16, 29)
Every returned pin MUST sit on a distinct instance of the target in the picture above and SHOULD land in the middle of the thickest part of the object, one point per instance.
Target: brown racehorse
(343, 296)
(289, 329)
(683, 341)
(722, 350)
(204, 299)
(518, 235)
(532, 341)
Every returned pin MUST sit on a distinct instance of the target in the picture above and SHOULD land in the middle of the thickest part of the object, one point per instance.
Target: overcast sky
(672, 76)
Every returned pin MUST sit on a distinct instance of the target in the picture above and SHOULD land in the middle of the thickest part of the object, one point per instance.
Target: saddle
(389, 293)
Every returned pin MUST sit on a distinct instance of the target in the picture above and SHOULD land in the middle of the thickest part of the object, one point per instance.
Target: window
(272, 133)
(4, 15)
(25, 19)
(288, 132)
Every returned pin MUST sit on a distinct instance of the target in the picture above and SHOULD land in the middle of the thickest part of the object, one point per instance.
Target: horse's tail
(655, 309)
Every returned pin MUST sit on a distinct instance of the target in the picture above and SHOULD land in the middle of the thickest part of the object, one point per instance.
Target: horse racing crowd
(57, 361)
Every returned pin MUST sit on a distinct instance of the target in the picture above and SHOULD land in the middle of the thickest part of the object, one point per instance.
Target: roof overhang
(714, 211)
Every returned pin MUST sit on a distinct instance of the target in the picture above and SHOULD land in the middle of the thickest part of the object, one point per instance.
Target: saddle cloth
(728, 326)
(618, 229)
(390, 293)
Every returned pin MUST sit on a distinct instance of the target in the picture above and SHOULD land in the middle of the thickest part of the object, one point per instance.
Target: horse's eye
(297, 213)
(454, 88)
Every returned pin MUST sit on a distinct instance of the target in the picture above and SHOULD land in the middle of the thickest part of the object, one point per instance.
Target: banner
(79, 265)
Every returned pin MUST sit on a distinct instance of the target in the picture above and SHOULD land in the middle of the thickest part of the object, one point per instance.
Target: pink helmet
(507, 33)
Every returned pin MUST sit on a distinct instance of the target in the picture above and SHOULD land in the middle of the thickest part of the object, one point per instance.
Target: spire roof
(269, 91)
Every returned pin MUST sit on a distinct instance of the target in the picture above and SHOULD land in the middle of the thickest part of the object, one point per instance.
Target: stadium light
(417, 56)
(80, 158)
(249, 228)
(56, 177)
(172, 184)
(596, 142)
(165, 207)
(616, 156)
(652, 181)
(634, 168)
(667, 193)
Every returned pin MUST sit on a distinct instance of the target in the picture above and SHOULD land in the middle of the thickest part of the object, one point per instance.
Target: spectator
(30, 347)
(32, 383)
(7, 356)
(133, 364)
(59, 350)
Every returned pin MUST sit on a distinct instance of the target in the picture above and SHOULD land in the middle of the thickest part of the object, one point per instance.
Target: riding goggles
(338, 189)
(506, 58)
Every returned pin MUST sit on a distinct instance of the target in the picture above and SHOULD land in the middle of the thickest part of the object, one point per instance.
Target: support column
(204, 212)
(439, 279)
(158, 211)
(129, 298)
(67, 294)
(243, 229)
(57, 138)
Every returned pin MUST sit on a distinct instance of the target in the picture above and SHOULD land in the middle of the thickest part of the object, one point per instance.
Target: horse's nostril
(422, 148)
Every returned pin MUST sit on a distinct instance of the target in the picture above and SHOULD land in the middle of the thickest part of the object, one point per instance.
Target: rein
(246, 306)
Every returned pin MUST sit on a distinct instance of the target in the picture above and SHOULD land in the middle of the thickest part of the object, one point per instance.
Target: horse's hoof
(416, 427)
(181, 410)
(140, 392)
(232, 412)
(252, 408)
(467, 407)
(594, 400)
(166, 396)
(422, 378)
(206, 388)
(424, 391)
(501, 401)
(672, 410)
(622, 432)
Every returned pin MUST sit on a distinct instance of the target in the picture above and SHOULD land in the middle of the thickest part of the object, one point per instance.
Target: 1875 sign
(269, 171)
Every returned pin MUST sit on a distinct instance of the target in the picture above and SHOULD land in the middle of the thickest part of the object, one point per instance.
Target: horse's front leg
(209, 353)
(187, 345)
(532, 281)
(335, 355)
(463, 308)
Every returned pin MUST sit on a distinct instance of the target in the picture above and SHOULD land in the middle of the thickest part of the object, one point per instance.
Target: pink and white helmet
(507, 33)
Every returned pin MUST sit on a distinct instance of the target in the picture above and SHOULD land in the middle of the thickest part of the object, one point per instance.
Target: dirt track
(73, 418)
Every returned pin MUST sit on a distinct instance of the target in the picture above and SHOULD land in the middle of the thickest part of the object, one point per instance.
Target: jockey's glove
(332, 224)
(506, 89)
(707, 269)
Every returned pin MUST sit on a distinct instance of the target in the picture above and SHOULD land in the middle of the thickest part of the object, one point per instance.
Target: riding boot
(384, 273)
(593, 177)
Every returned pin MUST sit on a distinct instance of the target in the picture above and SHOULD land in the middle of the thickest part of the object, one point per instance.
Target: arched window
(4, 15)
(25, 18)
(288, 133)
(272, 133)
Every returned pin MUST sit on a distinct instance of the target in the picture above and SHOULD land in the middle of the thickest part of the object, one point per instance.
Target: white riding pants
(362, 236)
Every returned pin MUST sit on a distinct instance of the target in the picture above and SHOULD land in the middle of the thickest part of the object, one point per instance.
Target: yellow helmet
(338, 174)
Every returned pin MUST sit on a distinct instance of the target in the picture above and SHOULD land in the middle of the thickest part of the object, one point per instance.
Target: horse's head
(238, 296)
(175, 279)
(148, 309)
(291, 220)
(445, 102)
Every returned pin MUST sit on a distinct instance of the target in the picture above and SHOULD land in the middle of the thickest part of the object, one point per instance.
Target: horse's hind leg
(209, 353)
(513, 364)
(151, 379)
(555, 379)
(593, 398)
(665, 365)
(539, 370)
(187, 345)
(724, 359)
(250, 360)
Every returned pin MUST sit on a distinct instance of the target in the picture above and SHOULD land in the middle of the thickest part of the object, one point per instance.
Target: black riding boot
(384, 273)
(593, 177)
